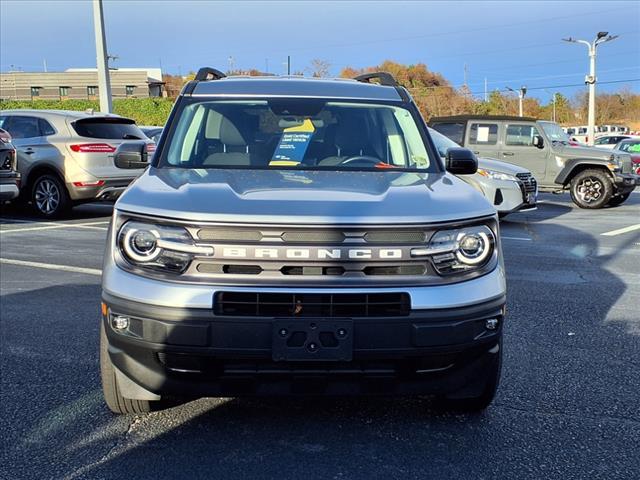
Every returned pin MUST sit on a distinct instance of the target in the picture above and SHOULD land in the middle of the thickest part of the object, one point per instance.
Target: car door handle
(476, 152)
(507, 154)
(28, 151)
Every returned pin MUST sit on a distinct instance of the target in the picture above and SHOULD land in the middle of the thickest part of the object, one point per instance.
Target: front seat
(235, 148)
(350, 140)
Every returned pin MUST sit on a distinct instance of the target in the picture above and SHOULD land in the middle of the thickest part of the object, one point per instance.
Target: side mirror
(538, 141)
(461, 161)
(131, 155)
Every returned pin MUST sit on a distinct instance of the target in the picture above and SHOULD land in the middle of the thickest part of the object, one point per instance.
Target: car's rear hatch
(97, 138)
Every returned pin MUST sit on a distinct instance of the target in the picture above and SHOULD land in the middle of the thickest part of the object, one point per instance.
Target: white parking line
(523, 239)
(51, 266)
(55, 226)
(620, 231)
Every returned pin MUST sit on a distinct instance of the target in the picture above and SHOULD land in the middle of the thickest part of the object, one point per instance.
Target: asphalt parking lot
(568, 405)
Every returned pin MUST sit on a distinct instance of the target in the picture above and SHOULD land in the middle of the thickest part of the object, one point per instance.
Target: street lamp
(521, 93)
(590, 79)
(553, 99)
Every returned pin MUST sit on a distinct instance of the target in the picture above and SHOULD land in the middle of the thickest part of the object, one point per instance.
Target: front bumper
(442, 347)
(625, 182)
(9, 186)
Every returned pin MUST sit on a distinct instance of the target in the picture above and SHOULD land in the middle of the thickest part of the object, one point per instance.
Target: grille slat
(528, 181)
(337, 305)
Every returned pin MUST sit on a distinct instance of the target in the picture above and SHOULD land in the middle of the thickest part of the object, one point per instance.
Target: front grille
(336, 305)
(529, 183)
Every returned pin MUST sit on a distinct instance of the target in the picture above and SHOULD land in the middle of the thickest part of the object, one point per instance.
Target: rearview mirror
(538, 141)
(131, 155)
(461, 161)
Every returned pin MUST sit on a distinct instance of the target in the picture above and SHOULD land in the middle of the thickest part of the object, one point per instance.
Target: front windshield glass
(442, 142)
(554, 132)
(296, 133)
(630, 146)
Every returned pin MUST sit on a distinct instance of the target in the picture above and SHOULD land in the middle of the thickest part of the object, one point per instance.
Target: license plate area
(312, 339)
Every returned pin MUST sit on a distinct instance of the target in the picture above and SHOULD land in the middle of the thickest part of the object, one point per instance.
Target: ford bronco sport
(594, 177)
(300, 236)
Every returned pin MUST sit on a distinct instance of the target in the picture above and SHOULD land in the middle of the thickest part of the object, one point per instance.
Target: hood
(498, 166)
(582, 152)
(302, 197)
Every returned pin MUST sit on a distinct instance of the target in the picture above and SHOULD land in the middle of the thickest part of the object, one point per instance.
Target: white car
(610, 141)
(508, 187)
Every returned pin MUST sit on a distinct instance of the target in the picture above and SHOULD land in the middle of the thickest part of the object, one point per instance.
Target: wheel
(483, 400)
(116, 402)
(618, 199)
(591, 189)
(49, 196)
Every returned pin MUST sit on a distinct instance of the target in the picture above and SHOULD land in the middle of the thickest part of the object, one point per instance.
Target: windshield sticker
(293, 144)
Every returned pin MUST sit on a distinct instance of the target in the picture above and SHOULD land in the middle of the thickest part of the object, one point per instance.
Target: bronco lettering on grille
(313, 253)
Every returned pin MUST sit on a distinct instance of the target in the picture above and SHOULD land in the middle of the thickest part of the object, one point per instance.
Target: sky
(511, 44)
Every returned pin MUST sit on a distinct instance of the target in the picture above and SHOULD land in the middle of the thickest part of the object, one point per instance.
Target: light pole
(521, 93)
(553, 99)
(590, 79)
(104, 85)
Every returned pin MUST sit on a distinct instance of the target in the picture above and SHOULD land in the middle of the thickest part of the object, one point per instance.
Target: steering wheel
(360, 161)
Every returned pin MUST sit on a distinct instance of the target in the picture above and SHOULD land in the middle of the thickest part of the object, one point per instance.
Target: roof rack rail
(208, 73)
(385, 78)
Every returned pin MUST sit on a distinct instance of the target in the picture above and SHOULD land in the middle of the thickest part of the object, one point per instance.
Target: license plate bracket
(312, 339)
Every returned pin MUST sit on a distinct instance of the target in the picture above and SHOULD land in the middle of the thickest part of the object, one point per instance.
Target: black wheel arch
(39, 170)
(577, 165)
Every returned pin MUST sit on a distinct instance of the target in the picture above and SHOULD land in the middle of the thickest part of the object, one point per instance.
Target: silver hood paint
(302, 197)
(498, 166)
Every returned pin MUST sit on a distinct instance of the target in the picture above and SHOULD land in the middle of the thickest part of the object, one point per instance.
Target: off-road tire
(114, 400)
(482, 401)
(591, 189)
(49, 197)
(618, 199)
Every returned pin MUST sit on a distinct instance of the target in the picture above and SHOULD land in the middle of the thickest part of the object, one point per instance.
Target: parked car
(66, 157)
(594, 177)
(152, 132)
(508, 187)
(9, 177)
(301, 238)
(609, 141)
(632, 147)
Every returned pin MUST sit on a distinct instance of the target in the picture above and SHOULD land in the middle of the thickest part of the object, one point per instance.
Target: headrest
(230, 135)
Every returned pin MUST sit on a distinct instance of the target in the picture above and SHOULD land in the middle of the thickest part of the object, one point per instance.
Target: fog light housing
(492, 324)
(120, 323)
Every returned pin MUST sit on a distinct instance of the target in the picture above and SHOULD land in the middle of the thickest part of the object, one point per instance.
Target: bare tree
(320, 68)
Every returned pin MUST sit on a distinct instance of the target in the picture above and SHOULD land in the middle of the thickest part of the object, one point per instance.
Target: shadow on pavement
(16, 213)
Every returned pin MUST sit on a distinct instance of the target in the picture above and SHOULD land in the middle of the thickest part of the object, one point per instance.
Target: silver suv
(66, 157)
(300, 236)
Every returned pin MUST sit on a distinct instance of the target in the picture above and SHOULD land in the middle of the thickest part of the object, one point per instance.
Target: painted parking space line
(51, 266)
(620, 231)
(523, 239)
(54, 226)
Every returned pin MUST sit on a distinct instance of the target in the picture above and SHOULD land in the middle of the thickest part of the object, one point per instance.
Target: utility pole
(104, 85)
(521, 93)
(44, 64)
(288, 64)
(590, 79)
(485, 89)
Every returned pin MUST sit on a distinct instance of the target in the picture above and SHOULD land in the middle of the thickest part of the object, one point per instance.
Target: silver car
(66, 157)
(508, 187)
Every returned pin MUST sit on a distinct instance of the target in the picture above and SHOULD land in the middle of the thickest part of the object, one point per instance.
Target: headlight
(158, 247)
(461, 250)
(496, 175)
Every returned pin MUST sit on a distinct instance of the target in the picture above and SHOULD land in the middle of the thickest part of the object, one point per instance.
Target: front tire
(480, 402)
(49, 197)
(114, 400)
(619, 199)
(591, 189)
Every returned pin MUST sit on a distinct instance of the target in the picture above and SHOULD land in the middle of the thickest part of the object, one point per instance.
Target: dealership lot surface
(568, 406)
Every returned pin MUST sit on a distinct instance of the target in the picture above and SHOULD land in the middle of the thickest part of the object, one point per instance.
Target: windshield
(631, 146)
(296, 133)
(442, 142)
(554, 132)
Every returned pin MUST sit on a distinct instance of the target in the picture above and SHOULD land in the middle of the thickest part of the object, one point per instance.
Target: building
(80, 84)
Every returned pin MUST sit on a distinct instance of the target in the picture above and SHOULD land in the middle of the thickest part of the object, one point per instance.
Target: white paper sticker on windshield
(483, 134)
